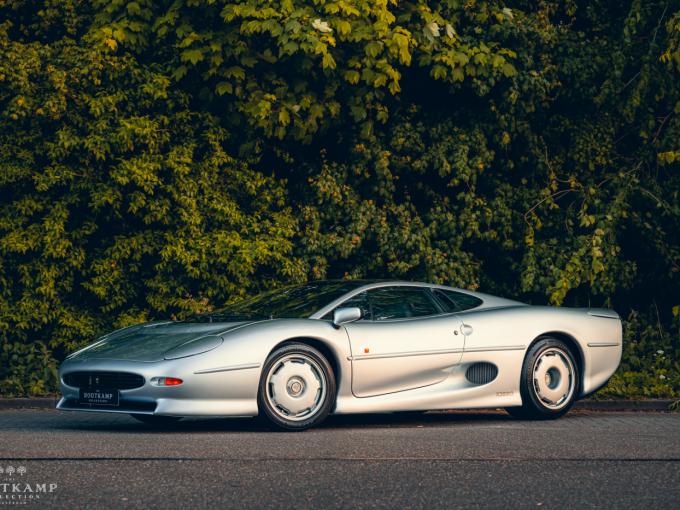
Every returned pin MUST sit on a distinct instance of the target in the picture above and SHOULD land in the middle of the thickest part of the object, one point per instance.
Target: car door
(405, 342)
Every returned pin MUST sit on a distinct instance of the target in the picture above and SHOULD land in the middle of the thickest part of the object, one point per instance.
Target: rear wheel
(297, 388)
(156, 420)
(549, 381)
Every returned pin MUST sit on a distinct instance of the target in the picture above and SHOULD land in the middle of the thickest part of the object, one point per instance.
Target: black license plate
(100, 397)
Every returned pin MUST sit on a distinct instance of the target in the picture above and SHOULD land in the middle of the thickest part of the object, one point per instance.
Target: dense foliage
(162, 157)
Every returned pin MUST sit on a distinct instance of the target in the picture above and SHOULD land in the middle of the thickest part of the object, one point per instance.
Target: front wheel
(297, 388)
(549, 381)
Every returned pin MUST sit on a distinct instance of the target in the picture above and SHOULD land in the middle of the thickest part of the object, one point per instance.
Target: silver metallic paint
(412, 364)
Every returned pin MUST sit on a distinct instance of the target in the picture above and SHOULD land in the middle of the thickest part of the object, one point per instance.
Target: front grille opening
(104, 380)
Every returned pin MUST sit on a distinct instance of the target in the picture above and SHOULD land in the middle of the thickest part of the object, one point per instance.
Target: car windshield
(294, 302)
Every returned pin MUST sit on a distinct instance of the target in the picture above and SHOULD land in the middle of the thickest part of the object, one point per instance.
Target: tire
(549, 381)
(156, 420)
(297, 388)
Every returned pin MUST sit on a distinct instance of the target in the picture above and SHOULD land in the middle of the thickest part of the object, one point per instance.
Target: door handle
(466, 329)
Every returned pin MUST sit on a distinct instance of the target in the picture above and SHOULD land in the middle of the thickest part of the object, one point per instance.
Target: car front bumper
(206, 390)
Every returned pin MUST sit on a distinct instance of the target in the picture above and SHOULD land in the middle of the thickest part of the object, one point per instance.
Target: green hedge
(162, 157)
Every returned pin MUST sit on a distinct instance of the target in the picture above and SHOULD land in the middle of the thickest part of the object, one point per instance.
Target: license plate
(99, 397)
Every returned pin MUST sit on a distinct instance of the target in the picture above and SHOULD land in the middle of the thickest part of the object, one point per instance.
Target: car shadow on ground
(78, 421)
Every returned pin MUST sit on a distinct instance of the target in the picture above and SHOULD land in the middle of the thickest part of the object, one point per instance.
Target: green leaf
(192, 55)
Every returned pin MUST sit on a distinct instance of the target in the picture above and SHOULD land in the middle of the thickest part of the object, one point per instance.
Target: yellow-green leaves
(328, 62)
(193, 56)
(158, 158)
(292, 51)
(121, 203)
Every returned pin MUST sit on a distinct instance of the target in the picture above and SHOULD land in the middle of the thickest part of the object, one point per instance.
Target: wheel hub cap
(296, 387)
(554, 378)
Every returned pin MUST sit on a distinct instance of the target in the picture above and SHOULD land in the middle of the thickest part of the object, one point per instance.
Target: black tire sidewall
(263, 404)
(532, 406)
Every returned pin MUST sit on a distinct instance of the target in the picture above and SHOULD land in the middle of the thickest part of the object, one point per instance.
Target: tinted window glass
(298, 301)
(360, 301)
(453, 301)
(401, 302)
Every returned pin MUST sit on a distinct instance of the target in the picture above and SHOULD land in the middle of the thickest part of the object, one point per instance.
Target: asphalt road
(459, 460)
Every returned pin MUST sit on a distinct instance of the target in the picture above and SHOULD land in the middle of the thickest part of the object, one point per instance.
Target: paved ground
(470, 460)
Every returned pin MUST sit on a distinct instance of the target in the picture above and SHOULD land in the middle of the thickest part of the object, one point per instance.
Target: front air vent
(481, 373)
(106, 380)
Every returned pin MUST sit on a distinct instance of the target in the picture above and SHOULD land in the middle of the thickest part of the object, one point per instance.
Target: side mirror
(345, 315)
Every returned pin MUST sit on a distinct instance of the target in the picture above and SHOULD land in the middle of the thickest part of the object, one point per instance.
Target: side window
(453, 301)
(360, 301)
(401, 302)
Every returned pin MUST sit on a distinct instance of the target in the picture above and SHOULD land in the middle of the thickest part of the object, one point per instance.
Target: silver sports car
(297, 354)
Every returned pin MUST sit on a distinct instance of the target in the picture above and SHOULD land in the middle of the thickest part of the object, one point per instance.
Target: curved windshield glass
(294, 302)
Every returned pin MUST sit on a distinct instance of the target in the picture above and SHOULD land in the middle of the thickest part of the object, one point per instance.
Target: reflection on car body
(297, 354)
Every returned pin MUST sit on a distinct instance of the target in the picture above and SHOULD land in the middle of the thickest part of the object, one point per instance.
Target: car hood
(153, 342)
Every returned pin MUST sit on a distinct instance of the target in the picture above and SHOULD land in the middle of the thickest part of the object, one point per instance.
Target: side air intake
(481, 373)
